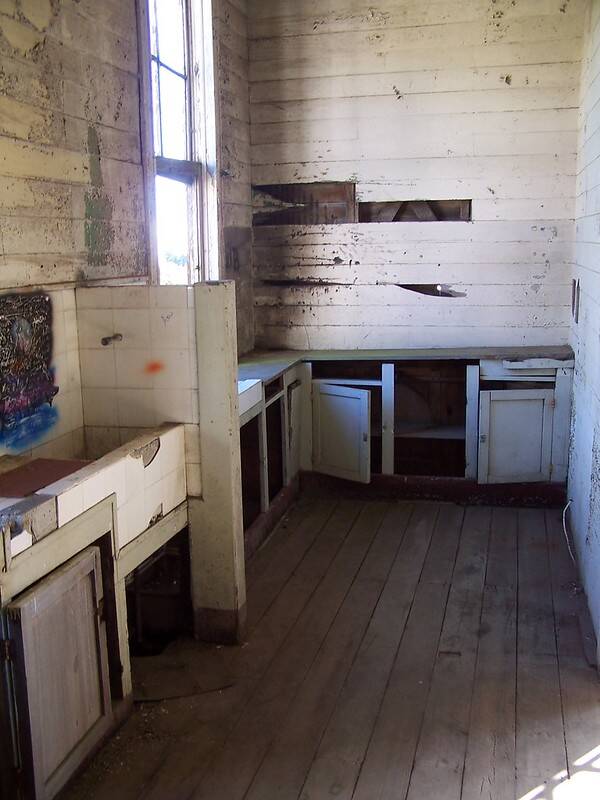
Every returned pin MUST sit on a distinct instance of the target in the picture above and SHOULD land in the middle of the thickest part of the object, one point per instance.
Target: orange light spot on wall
(152, 367)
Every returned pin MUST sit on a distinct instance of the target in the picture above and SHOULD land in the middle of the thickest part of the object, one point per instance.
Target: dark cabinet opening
(274, 414)
(430, 415)
(159, 607)
(251, 470)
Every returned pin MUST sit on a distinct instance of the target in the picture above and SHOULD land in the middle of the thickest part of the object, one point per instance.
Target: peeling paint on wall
(99, 230)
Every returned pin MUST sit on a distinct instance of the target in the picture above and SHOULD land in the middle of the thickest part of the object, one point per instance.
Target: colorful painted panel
(26, 375)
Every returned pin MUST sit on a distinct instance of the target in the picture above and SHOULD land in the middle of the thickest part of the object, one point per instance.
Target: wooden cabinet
(524, 420)
(403, 418)
(515, 435)
(342, 431)
(493, 421)
(485, 419)
(60, 673)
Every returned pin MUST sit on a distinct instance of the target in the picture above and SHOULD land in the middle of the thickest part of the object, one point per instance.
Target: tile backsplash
(147, 375)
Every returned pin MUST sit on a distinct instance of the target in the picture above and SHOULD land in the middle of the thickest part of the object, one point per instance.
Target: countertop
(267, 365)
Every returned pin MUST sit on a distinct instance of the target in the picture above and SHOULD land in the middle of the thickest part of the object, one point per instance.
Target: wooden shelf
(420, 431)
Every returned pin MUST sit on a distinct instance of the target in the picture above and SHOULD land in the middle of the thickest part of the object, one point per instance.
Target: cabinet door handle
(365, 438)
(483, 438)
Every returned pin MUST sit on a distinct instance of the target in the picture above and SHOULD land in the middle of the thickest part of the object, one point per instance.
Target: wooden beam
(215, 520)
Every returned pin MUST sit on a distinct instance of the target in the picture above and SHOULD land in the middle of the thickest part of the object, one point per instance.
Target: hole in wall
(416, 211)
(330, 203)
(304, 204)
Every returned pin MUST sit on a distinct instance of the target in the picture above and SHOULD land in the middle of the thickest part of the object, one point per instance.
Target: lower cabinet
(342, 431)
(493, 421)
(515, 435)
(59, 674)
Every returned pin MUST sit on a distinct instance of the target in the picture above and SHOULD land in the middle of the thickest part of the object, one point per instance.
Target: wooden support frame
(263, 450)
(148, 542)
(472, 422)
(388, 439)
(561, 425)
(218, 575)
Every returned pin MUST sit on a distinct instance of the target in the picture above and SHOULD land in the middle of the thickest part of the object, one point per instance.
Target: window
(175, 133)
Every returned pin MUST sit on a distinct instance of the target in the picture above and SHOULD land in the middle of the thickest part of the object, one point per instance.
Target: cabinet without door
(60, 673)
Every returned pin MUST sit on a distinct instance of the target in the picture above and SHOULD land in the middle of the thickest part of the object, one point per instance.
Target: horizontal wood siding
(71, 190)
(231, 49)
(585, 449)
(417, 101)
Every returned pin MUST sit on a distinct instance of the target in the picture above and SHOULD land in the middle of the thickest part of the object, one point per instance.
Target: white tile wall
(141, 491)
(150, 376)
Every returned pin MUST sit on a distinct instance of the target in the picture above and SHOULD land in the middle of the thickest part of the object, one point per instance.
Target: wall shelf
(419, 431)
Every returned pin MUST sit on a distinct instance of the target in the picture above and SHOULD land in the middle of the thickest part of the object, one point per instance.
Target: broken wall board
(410, 102)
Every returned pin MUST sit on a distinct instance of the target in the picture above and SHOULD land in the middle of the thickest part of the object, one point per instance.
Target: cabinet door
(342, 431)
(515, 435)
(60, 672)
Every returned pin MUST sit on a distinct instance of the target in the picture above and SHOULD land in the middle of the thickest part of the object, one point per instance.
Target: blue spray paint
(27, 386)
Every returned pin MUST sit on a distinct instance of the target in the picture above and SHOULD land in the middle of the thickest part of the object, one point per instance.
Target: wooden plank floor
(397, 650)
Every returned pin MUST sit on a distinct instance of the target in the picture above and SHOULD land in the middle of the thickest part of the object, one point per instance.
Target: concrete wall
(230, 19)
(71, 194)
(418, 100)
(584, 480)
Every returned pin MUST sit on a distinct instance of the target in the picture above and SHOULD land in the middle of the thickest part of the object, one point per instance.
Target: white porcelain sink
(249, 394)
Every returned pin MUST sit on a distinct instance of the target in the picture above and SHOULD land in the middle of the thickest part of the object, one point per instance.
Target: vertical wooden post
(472, 422)
(561, 431)
(215, 519)
(387, 419)
(306, 443)
(264, 458)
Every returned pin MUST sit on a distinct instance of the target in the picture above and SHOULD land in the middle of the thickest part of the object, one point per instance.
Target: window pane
(172, 229)
(171, 38)
(173, 114)
(156, 111)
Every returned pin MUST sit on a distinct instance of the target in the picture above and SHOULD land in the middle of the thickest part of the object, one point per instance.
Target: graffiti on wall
(27, 386)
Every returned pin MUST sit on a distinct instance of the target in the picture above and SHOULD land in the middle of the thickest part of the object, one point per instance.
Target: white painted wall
(584, 479)
(230, 20)
(71, 188)
(418, 100)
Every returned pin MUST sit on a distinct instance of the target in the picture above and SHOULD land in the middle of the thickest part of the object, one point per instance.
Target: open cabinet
(59, 673)
(405, 418)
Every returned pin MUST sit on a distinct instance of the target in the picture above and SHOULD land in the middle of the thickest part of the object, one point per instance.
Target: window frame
(197, 171)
